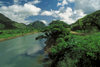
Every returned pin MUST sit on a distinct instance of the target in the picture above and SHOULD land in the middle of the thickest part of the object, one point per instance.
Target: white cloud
(87, 5)
(34, 2)
(16, 1)
(45, 22)
(82, 7)
(63, 3)
(59, 4)
(46, 13)
(71, 0)
(19, 13)
(67, 15)
(70, 16)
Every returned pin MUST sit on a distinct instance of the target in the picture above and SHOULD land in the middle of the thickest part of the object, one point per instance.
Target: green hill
(6, 23)
(89, 23)
(37, 25)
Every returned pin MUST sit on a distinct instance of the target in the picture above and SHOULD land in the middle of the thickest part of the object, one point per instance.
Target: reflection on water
(21, 52)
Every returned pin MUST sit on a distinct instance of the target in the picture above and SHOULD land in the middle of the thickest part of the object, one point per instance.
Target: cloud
(19, 13)
(16, 1)
(63, 3)
(71, 1)
(87, 6)
(46, 13)
(59, 4)
(34, 2)
(45, 22)
(67, 15)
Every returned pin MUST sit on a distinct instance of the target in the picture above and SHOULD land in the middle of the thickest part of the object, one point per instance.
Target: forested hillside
(37, 25)
(89, 23)
(68, 49)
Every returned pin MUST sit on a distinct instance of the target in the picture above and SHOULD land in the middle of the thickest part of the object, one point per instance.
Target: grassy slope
(9, 34)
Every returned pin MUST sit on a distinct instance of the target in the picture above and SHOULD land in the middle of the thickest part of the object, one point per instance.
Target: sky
(27, 11)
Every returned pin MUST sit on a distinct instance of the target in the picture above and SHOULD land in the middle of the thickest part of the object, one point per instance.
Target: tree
(2, 26)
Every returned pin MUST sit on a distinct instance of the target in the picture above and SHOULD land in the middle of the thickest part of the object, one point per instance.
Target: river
(23, 51)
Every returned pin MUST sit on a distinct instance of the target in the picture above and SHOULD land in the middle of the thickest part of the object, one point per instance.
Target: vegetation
(37, 25)
(15, 32)
(67, 49)
(89, 23)
(9, 28)
(2, 26)
(78, 51)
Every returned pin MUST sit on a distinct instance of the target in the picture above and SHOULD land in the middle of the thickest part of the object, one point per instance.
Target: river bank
(17, 35)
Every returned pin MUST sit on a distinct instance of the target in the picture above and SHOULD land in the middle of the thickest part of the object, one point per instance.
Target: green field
(15, 32)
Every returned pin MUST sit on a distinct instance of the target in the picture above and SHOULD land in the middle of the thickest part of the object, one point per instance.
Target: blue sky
(26, 11)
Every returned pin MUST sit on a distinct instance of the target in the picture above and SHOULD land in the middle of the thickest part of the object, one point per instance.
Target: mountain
(6, 23)
(89, 23)
(37, 25)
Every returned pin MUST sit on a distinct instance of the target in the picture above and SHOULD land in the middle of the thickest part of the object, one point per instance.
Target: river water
(23, 51)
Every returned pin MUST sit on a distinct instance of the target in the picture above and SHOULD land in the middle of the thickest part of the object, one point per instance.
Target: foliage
(70, 50)
(84, 51)
(2, 26)
(58, 22)
(19, 25)
(89, 23)
(37, 25)
(56, 30)
(6, 22)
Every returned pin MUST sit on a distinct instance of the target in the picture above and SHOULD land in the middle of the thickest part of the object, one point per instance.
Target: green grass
(15, 32)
